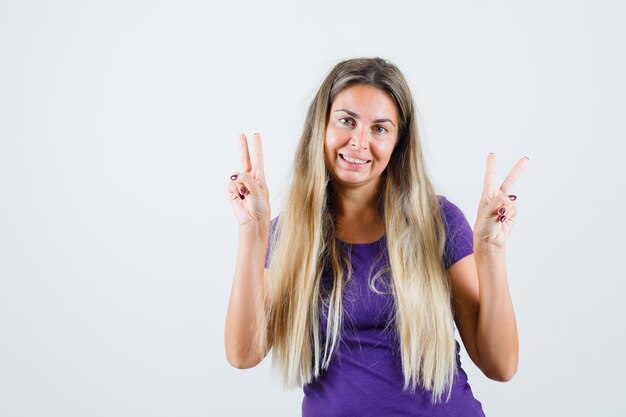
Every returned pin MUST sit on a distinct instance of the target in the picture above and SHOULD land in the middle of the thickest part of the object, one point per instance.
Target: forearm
(496, 338)
(246, 306)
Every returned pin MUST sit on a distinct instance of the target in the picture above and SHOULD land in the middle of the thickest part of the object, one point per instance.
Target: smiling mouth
(354, 160)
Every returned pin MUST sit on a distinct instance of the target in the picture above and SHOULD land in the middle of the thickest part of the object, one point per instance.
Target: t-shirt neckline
(363, 244)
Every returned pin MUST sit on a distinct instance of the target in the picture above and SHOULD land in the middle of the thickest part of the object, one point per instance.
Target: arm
(484, 313)
(246, 315)
(483, 308)
(246, 308)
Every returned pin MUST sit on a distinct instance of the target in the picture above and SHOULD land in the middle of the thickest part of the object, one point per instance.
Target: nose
(359, 139)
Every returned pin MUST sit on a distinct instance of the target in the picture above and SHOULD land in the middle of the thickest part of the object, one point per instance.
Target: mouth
(354, 161)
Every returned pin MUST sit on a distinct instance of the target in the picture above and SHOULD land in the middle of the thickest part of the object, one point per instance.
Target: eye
(381, 129)
(346, 121)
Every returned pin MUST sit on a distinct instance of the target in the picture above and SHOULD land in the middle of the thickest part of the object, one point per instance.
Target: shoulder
(458, 232)
(272, 240)
(273, 224)
(449, 210)
(451, 215)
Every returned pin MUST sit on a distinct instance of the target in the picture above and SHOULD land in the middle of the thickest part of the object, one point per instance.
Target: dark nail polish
(502, 210)
(240, 196)
(503, 218)
(513, 197)
(233, 177)
(243, 191)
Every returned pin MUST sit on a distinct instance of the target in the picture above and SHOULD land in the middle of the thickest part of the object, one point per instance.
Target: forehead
(367, 101)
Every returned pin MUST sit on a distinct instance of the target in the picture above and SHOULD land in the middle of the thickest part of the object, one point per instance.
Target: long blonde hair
(305, 241)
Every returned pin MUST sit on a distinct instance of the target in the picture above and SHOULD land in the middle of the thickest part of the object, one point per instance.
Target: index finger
(245, 155)
(257, 153)
(490, 174)
(513, 175)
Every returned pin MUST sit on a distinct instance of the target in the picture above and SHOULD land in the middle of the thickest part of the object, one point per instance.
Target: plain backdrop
(118, 132)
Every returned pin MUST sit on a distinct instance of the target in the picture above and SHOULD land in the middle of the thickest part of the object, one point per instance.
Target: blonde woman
(358, 283)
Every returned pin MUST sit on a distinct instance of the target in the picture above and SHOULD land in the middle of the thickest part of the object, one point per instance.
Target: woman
(367, 269)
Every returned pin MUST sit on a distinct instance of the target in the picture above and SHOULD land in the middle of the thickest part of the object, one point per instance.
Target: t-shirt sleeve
(269, 245)
(459, 235)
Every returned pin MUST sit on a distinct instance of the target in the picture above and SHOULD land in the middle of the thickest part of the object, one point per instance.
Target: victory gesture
(496, 211)
(247, 189)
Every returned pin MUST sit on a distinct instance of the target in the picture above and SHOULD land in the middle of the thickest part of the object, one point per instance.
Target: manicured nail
(243, 190)
(503, 218)
(502, 210)
(233, 177)
(241, 196)
(513, 197)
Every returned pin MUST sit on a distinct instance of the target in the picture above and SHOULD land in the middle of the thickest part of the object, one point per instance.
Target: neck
(356, 216)
(357, 202)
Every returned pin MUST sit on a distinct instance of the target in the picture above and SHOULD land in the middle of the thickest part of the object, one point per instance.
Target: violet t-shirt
(364, 377)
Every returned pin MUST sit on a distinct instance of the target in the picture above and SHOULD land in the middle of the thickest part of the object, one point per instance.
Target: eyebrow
(356, 116)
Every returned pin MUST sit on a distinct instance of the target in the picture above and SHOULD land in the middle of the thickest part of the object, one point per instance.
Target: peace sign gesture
(496, 211)
(247, 189)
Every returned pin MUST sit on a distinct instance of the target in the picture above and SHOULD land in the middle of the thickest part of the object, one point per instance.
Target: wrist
(255, 228)
(487, 250)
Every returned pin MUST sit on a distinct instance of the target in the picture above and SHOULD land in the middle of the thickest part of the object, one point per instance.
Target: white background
(118, 132)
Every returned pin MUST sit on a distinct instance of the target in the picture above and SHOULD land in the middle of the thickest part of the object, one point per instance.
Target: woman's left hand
(496, 211)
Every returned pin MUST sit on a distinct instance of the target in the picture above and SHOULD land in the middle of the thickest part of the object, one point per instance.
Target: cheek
(382, 151)
(332, 141)
(326, 153)
(329, 148)
(330, 138)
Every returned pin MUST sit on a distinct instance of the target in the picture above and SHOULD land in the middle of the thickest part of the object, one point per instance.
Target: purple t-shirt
(364, 377)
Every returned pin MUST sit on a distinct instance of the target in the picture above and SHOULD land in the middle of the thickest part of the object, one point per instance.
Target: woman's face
(362, 128)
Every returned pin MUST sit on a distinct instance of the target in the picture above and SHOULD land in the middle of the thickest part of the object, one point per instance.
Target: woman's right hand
(247, 189)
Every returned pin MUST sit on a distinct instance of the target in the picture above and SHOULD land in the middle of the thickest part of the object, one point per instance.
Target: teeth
(353, 160)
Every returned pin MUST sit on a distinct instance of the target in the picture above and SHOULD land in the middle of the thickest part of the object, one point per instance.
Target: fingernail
(502, 210)
(503, 218)
(527, 158)
(241, 196)
(233, 177)
(243, 190)
(513, 197)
